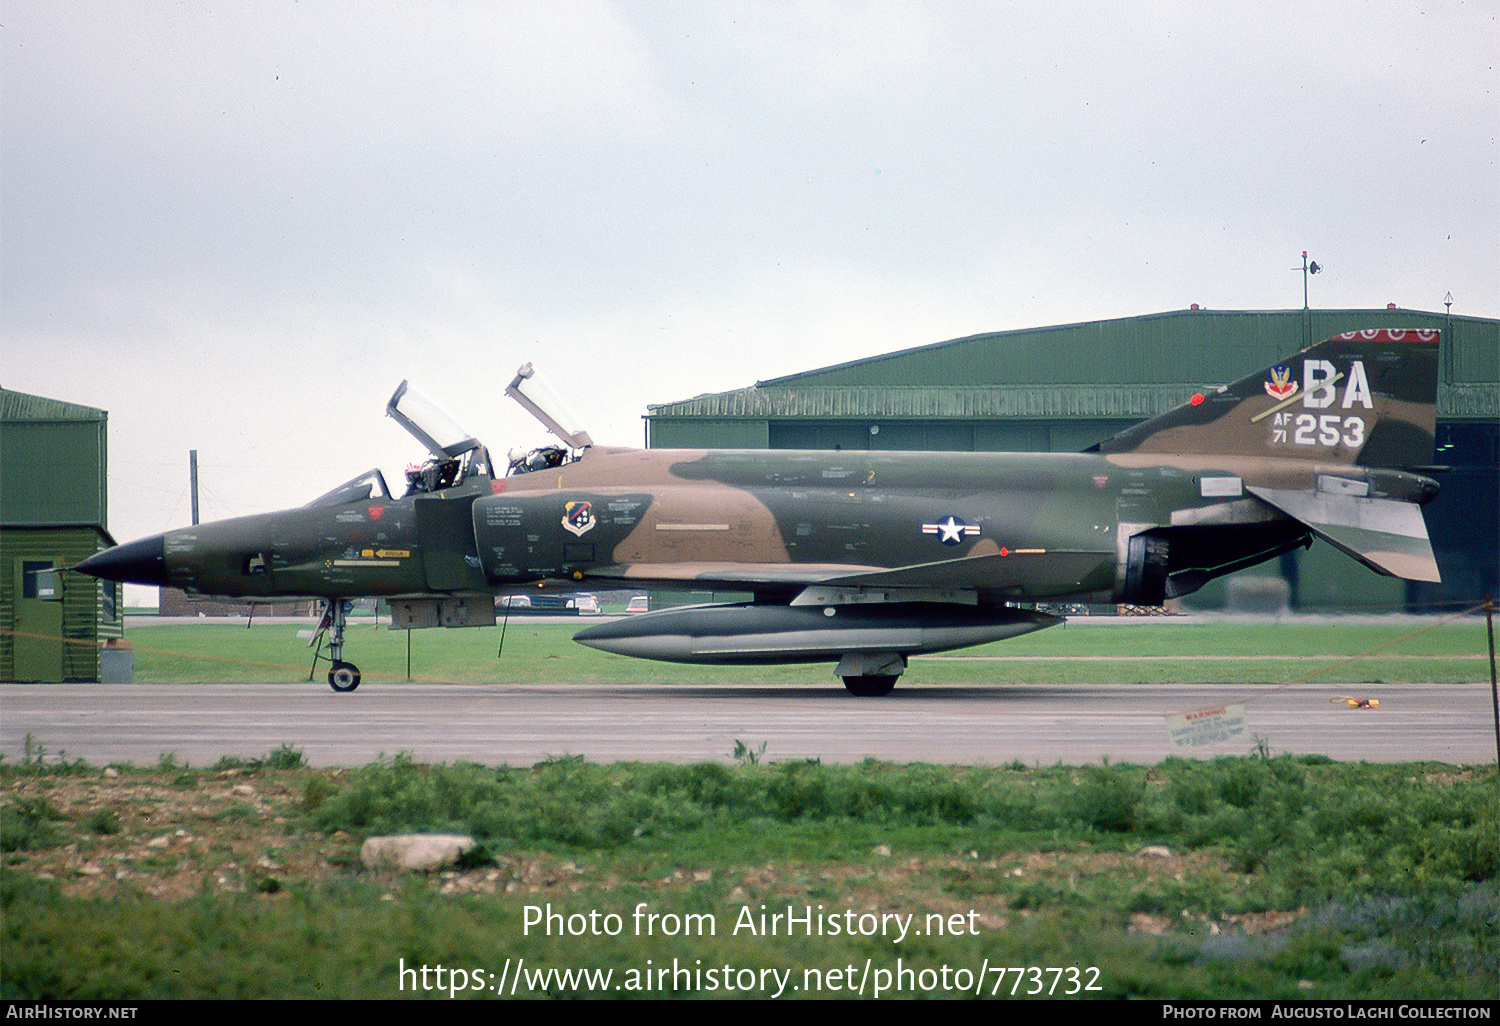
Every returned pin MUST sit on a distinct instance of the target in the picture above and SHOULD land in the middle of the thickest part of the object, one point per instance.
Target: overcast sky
(238, 226)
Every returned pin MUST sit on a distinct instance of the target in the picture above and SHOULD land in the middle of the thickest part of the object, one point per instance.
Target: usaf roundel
(950, 530)
(578, 517)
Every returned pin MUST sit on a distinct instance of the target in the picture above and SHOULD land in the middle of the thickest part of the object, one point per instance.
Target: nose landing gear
(343, 676)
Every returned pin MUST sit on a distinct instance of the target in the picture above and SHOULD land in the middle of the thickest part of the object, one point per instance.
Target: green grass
(1285, 817)
(1287, 878)
(1080, 652)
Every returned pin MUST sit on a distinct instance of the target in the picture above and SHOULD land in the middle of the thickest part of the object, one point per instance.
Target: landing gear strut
(344, 676)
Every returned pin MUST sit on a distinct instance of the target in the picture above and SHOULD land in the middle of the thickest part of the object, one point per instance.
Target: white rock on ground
(414, 853)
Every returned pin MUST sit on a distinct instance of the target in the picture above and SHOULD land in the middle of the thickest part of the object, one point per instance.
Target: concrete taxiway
(517, 725)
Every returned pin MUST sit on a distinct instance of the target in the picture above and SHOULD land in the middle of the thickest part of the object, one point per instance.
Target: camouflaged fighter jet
(863, 558)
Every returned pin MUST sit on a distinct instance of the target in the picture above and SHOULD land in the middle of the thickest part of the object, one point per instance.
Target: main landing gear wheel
(343, 676)
(870, 686)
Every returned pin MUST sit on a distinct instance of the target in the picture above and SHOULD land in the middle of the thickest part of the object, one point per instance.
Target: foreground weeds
(1237, 877)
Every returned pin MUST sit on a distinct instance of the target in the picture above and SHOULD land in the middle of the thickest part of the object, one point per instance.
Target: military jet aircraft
(858, 558)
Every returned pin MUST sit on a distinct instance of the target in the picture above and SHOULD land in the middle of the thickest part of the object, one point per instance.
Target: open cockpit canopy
(429, 423)
(547, 406)
(456, 455)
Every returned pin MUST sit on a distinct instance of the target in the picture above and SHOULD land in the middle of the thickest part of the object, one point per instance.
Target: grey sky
(238, 226)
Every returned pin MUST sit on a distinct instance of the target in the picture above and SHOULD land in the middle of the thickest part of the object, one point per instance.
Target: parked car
(639, 604)
(543, 604)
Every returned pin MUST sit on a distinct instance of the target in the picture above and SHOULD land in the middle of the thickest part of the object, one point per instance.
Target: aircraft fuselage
(866, 557)
(1024, 527)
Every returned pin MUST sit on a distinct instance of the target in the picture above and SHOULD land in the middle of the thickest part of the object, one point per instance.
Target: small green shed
(53, 508)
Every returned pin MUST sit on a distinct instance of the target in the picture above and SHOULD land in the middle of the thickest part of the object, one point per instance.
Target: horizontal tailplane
(1386, 535)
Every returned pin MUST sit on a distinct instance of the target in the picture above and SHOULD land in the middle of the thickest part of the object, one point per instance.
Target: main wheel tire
(870, 686)
(343, 677)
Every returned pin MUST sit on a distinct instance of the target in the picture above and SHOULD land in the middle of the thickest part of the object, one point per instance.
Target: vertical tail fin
(1364, 398)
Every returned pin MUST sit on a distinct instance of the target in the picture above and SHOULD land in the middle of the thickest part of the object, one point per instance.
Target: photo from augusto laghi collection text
(1327, 1010)
(689, 973)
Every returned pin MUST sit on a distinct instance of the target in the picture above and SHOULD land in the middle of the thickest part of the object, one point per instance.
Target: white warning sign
(1206, 726)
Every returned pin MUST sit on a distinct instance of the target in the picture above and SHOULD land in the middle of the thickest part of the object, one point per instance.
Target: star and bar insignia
(951, 530)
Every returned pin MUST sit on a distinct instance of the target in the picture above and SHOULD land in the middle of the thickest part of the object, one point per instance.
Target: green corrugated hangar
(53, 509)
(1063, 388)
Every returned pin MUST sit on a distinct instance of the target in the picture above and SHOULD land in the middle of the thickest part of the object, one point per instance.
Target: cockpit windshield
(545, 458)
(439, 473)
(367, 486)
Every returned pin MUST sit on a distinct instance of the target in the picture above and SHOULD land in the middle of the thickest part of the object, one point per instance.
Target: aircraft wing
(735, 574)
(1027, 573)
(1386, 535)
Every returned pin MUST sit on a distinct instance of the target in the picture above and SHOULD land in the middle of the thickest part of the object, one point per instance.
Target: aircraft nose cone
(137, 562)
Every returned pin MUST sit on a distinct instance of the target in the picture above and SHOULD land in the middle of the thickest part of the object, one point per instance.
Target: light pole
(1448, 338)
(1308, 267)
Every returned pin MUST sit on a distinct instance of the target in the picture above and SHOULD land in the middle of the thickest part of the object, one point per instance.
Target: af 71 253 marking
(1328, 430)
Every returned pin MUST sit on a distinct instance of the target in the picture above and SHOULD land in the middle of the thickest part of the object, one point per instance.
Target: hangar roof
(1124, 368)
(21, 406)
(54, 469)
(927, 402)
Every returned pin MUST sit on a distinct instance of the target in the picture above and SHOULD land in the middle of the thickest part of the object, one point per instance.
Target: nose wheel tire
(870, 686)
(343, 676)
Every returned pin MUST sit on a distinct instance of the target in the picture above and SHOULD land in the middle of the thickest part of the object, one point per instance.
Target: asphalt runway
(495, 724)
